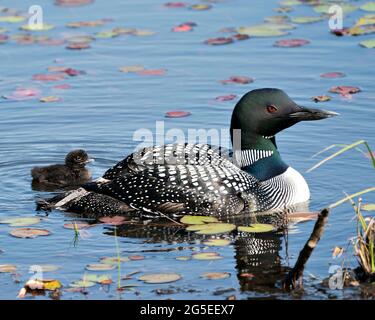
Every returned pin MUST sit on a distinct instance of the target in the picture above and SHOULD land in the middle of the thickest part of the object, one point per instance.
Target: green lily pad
(368, 207)
(324, 8)
(262, 30)
(37, 27)
(82, 284)
(212, 228)
(365, 20)
(160, 277)
(290, 3)
(12, 19)
(306, 19)
(100, 267)
(368, 6)
(113, 260)
(20, 222)
(48, 267)
(257, 228)
(105, 278)
(183, 258)
(217, 242)
(370, 44)
(106, 34)
(197, 219)
(206, 256)
(7, 268)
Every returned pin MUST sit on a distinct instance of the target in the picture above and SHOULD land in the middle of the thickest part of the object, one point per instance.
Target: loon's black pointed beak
(308, 114)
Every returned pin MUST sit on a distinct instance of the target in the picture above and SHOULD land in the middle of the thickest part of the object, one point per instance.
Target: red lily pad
(73, 72)
(114, 221)
(23, 94)
(182, 28)
(64, 86)
(177, 114)
(228, 97)
(332, 75)
(291, 43)
(238, 79)
(175, 4)
(219, 41)
(3, 38)
(49, 77)
(72, 3)
(344, 90)
(152, 72)
(240, 37)
(78, 46)
(51, 42)
(136, 257)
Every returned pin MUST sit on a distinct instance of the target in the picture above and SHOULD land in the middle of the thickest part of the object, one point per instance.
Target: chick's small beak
(308, 114)
(90, 160)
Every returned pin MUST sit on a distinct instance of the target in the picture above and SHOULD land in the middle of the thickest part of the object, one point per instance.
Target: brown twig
(294, 277)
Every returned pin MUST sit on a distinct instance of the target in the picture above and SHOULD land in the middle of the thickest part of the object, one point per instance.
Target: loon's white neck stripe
(249, 156)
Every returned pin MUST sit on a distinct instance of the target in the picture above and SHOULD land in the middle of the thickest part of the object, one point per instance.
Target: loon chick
(179, 179)
(72, 173)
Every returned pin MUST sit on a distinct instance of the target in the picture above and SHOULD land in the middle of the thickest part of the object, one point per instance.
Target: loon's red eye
(271, 109)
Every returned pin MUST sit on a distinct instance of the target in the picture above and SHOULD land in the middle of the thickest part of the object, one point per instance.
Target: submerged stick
(294, 277)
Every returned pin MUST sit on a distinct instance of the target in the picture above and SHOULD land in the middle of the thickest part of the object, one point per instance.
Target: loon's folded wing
(170, 154)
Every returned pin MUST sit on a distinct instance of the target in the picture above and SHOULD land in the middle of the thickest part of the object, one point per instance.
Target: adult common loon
(177, 179)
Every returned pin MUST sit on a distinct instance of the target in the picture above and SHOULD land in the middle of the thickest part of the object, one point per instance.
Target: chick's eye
(79, 158)
(271, 109)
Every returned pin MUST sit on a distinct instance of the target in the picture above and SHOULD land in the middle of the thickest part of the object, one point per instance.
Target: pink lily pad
(238, 79)
(152, 72)
(78, 46)
(114, 221)
(64, 86)
(21, 94)
(177, 114)
(175, 4)
(182, 28)
(331, 75)
(49, 77)
(72, 3)
(345, 90)
(291, 43)
(228, 97)
(219, 41)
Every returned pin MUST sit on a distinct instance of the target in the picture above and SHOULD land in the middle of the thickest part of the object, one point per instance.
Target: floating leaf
(143, 33)
(37, 27)
(215, 275)
(82, 284)
(136, 257)
(106, 34)
(188, 219)
(368, 207)
(177, 114)
(79, 24)
(12, 19)
(182, 28)
(228, 97)
(345, 89)
(183, 258)
(29, 233)
(257, 228)
(217, 242)
(72, 3)
(218, 41)
(238, 79)
(152, 72)
(368, 6)
(302, 216)
(200, 7)
(48, 267)
(49, 77)
(290, 3)
(206, 256)
(102, 279)
(175, 4)
(7, 268)
(23, 94)
(368, 19)
(370, 44)
(337, 252)
(51, 42)
(50, 99)
(160, 277)
(283, 9)
(113, 260)
(113, 221)
(21, 222)
(132, 69)
(3, 38)
(212, 228)
(76, 225)
(78, 46)
(306, 19)
(247, 275)
(64, 86)
(291, 43)
(100, 267)
(324, 8)
(331, 75)
(266, 29)
(321, 98)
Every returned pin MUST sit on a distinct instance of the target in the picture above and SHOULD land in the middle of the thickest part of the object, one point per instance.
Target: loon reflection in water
(180, 179)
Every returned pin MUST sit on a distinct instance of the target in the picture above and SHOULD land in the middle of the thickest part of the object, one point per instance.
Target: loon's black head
(265, 112)
(77, 158)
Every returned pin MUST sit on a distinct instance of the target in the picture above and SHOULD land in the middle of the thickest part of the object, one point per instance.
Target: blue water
(105, 107)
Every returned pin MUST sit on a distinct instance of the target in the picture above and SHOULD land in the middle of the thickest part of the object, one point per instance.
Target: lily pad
(365, 20)
(82, 284)
(152, 72)
(183, 258)
(49, 77)
(206, 256)
(48, 267)
(160, 277)
(131, 69)
(102, 279)
(78, 46)
(175, 4)
(76, 225)
(302, 216)
(4, 268)
(368, 207)
(323, 98)
(257, 228)
(228, 97)
(370, 44)
(21, 222)
(29, 233)
(219, 41)
(50, 99)
(368, 6)
(182, 28)
(215, 275)
(12, 19)
(306, 19)
(238, 79)
(37, 27)
(113, 221)
(188, 219)
(177, 114)
(113, 260)
(345, 89)
(324, 8)
(291, 43)
(72, 3)
(262, 30)
(331, 75)
(200, 7)
(100, 267)
(21, 94)
(217, 242)
(136, 257)
(212, 228)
